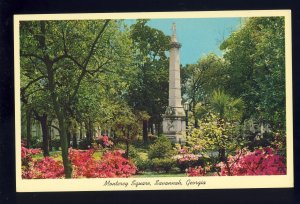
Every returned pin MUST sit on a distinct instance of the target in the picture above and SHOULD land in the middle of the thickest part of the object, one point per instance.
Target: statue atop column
(174, 118)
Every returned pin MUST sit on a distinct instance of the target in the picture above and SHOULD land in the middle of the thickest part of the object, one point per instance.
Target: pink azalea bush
(259, 162)
(185, 159)
(104, 141)
(197, 171)
(47, 168)
(41, 168)
(26, 160)
(112, 164)
(263, 161)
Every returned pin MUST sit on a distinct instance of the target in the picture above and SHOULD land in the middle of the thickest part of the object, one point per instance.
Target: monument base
(174, 128)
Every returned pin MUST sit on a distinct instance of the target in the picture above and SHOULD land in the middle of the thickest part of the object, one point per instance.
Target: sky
(198, 36)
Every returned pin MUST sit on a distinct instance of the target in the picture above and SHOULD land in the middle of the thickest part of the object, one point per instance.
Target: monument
(174, 126)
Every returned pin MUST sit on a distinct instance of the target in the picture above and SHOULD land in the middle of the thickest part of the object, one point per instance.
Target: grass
(54, 154)
(155, 174)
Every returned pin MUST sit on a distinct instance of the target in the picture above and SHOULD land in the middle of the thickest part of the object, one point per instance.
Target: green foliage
(161, 148)
(84, 144)
(207, 74)
(141, 164)
(227, 107)
(55, 144)
(162, 164)
(215, 134)
(151, 65)
(256, 56)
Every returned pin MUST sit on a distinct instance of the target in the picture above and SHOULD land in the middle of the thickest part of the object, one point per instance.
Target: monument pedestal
(174, 125)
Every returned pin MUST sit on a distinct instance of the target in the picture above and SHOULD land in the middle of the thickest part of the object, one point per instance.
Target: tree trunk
(28, 128)
(80, 132)
(158, 129)
(44, 125)
(50, 139)
(69, 138)
(196, 122)
(58, 111)
(64, 145)
(145, 131)
(127, 145)
(89, 132)
(222, 155)
(74, 141)
(151, 129)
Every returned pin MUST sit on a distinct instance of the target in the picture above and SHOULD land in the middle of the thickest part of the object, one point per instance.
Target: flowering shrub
(113, 164)
(42, 168)
(82, 162)
(197, 171)
(26, 159)
(47, 168)
(259, 162)
(185, 159)
(104, 141)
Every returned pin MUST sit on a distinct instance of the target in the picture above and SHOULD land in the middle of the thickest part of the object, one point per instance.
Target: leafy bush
(133, 155)
(259, 162)
(161, 148)
(84, 144)
(36, 142)
(141, 164)
(162, 164)
(55, 144)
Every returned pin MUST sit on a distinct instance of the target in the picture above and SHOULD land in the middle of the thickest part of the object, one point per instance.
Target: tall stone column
(174, 117)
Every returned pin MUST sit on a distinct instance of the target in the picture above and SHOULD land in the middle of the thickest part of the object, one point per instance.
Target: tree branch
(86, 61)
(22, 54)
(23, 89)
(55, 127)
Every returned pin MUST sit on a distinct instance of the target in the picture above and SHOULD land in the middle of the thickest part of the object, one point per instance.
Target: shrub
(36, 142)
(185, 161)
(113, 164)
(56, 144)
(84, 144)
(197, 171)
(26, 160)
(161, 148)
(162, 164)
(41, 168)
(104, 141)
(46, 168)
(259, 162)
(141, 164)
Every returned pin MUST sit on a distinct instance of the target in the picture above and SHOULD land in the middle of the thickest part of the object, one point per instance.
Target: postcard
(153, 101)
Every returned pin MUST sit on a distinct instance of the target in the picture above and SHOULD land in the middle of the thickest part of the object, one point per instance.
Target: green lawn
(155, 174)
(54, 154)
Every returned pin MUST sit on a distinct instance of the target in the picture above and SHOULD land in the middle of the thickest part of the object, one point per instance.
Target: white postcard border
(119, 184)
